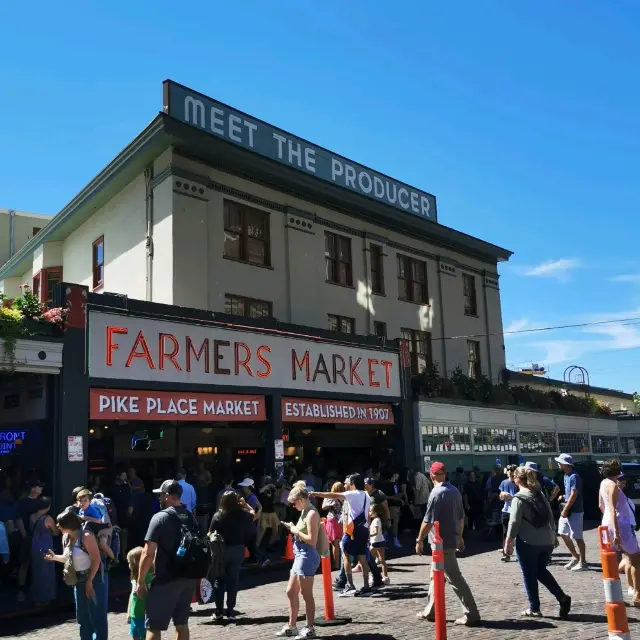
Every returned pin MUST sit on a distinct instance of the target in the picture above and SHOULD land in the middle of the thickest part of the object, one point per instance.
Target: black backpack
(195, 561)
(540, 516)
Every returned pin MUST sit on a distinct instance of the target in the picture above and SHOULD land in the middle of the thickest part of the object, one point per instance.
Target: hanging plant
(10, 330)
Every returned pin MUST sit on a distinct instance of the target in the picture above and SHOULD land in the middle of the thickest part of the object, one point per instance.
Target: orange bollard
(246, 553)
(615, 607)
(437, 569)
(288, 553)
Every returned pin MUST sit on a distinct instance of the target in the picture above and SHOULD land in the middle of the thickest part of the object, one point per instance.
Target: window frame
(470, 295)
(412, 343)
(246, 301)
(332, 262)
(98, 283)
(409, 282)
(339, 320)
(477, 363)
(377, 324)
(35, 231)
(376, 260)
(40, 285)
(244, 236)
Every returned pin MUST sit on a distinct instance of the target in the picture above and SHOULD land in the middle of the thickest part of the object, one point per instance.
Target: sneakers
(217, 617)
(572, 563)
(347, 591)
(396, 543)
(288, 632)
(357, 569)
(530, 613)
(338, 586)
(565, 608)
(306, 633)
(505, 559)
(365, 592)
(386, 580)
(580, 566)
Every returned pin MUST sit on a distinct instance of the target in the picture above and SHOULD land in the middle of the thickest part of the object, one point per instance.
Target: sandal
(528, 613)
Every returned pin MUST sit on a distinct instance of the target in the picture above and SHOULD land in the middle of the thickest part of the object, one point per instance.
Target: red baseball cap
(437, 467)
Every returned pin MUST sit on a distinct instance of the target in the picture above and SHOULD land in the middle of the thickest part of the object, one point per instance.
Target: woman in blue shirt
(507, 489)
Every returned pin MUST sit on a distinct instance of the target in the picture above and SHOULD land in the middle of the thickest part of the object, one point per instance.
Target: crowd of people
(355, 522)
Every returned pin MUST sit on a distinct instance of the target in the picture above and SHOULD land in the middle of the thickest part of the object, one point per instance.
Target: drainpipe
(367, 289)
(148, 179)
(486, 324)
(12, 224)
(444, 372)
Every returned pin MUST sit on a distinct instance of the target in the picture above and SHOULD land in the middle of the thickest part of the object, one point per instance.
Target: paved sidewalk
(391, 614)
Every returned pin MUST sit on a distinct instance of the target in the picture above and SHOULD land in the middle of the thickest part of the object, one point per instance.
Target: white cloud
(558, 269)
(513, 328)
(634, 278)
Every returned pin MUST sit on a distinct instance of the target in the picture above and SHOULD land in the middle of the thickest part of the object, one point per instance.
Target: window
(35, 289)
(241, 306)
(45, 282)
(419, 344)
(573, 442)
(246, 234)
(377, 272)
(604, 444)
(469, 291)
(487, 439)
(630, 445)
(36, 230)
(446, 438)
(342, 324)
(538, 442)
(475, 366)
(337, 252)
(380, 329)
(98, 263)
(412, 280)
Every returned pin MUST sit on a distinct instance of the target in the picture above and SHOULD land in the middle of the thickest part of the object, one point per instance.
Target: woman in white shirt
(90, 590)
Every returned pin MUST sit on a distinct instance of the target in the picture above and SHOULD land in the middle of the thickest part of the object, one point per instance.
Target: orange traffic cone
(288, 553)
(246, 553)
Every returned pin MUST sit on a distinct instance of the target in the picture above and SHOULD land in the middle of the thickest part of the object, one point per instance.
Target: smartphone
(44, 552)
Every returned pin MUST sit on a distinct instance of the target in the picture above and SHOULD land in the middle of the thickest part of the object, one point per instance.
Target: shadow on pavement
(360, 636)
(593, 617)
(404, 593)
(516, 625)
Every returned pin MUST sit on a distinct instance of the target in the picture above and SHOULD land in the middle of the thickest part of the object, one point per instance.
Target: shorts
(334, 529)
(169, 601)
(136, 628)
(305, 565)
(571, 526)
(378, 545)
(359, 544)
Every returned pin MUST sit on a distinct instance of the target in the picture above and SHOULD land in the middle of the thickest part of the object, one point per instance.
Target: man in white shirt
(188, 491)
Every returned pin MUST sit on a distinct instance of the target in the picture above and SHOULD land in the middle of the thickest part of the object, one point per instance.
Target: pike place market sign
(134, 348)
(234, 126)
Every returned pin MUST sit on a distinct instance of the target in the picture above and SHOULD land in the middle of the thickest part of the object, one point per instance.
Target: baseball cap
(247, 482)
(532, 465)
(565, 458)
(437, 467)
(369, 481)
(35, 483)
(170, 487)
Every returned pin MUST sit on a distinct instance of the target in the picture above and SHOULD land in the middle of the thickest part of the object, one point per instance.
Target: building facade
(210, 208)
(16, 229)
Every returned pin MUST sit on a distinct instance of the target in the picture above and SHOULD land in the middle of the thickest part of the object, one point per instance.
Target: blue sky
(521, 117)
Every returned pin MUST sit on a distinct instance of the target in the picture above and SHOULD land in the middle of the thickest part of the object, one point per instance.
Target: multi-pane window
(446, 438)
(630, 445)
(604, 444)
(341, 323)
(412, 280)
(241, 306)
(573, 442)
(487, 439)
(98, 262)
(380, 329)
(474, 365)
(53, 277)
(538, 442)
(469, 291)
(246, 234)
(337, 252)
(377, 272)
(419, 345)
(36, 231)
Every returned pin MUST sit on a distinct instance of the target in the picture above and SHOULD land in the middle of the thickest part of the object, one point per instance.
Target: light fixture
(318, 450)
(215, 450)
(92, 431)
(306, 432)
(106, 426)
(297, 457)
(238, 460)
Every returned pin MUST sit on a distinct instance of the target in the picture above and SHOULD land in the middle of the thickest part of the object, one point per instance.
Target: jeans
(91, 613)
(505, 526)
(533, 563)
(233, 557)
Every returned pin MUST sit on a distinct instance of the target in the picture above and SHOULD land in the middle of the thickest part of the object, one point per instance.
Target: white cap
(247, 482)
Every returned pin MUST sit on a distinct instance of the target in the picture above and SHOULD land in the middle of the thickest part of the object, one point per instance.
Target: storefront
(167, 386)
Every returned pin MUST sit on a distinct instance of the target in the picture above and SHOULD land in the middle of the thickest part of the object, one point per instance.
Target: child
(376, 538)
(137, 608)
(97, 521)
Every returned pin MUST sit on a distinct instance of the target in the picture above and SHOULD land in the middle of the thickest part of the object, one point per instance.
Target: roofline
(155, 129)
(516, 376)
(27, 214)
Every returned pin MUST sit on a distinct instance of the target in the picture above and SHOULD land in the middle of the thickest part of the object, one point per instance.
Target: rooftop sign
(234, 126)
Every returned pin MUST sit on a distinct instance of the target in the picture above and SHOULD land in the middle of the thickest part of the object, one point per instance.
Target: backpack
(69, 576)
(106, 506)
(192, 558)
(540, 516)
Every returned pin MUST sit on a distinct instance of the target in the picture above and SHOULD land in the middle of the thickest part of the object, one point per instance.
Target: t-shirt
(138, 606)
(506, 486)
(392, 492)
(235, 527)
(574, 481)
(377, 497)
(91, 512)
(25, 508)
(164, 530)
(357, 503)
(376, 525)
(7, 512)
(267, 500)
(445, 507)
